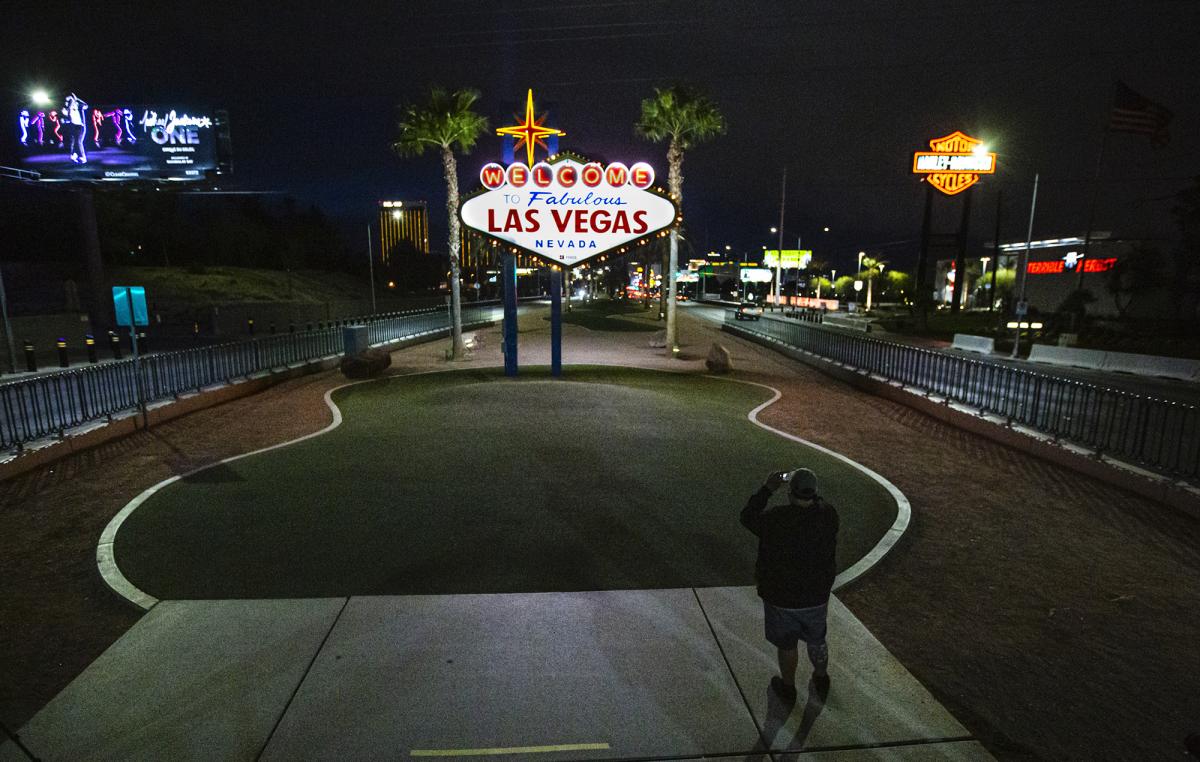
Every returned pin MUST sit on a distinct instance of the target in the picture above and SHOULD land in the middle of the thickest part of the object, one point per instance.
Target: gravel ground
(1056, 617)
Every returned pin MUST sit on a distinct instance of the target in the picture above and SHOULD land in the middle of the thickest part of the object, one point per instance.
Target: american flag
(1138, 114)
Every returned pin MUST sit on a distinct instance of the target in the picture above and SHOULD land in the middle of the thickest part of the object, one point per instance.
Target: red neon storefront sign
(1052, 266)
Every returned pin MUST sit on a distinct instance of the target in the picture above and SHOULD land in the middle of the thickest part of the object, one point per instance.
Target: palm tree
(445, 121)
(684, 118)
(872, 267)
(813, 273)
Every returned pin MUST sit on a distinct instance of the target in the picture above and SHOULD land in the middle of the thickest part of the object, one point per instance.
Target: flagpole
(1087, 237)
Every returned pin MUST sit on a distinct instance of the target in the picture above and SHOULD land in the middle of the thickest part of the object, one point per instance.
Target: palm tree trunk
(450, 167)
(675, 167)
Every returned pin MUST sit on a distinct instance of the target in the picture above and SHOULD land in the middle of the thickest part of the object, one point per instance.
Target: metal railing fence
(1159, 434)
(48, 405)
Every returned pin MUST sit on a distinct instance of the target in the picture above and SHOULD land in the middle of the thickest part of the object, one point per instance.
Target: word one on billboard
(74, 140)
(568, 210)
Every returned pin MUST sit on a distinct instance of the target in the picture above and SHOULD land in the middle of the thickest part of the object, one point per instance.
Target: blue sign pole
(509, 277)
(556, 281)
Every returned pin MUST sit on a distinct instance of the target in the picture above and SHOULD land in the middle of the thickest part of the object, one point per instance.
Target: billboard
(75, 140)
(793, 259)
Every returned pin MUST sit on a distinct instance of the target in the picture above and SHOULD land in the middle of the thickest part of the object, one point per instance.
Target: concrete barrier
(848, 323)
(1068, 356)
(1117, 362)
(968, 343)
(1152, 365)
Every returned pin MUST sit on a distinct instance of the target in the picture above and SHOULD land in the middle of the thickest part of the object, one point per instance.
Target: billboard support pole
(8, 336)
(960, 256)
(923, 284)
(556, 283)
(509, 278)
(98, 313)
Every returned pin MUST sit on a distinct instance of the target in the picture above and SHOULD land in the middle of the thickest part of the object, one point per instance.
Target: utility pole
(371, 268)
(779, 258)
(1022, 267)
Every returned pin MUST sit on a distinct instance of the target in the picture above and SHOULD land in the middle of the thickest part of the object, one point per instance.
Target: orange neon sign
(531, 132)
(955, 163)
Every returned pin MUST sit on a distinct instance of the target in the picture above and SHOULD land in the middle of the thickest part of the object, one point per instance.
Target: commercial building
(403, 227)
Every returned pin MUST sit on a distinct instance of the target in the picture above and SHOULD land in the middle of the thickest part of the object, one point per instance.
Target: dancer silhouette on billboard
(73, 121)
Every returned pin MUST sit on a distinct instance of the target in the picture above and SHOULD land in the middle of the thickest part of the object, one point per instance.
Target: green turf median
(469, 482)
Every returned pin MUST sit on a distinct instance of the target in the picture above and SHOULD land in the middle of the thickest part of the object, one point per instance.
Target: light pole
(871, 282)
(983, 278)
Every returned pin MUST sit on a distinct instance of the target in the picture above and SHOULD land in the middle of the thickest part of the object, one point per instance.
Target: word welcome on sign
(568, 210)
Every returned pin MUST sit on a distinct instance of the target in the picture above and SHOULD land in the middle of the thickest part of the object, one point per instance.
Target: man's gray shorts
(784, 627)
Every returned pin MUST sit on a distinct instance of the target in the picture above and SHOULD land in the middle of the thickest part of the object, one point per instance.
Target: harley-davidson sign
(568, 210)
(955, 163)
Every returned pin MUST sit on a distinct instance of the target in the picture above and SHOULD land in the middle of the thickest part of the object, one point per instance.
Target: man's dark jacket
(796, 549)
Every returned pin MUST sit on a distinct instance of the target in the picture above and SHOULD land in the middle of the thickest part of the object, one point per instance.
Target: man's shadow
(778, 712)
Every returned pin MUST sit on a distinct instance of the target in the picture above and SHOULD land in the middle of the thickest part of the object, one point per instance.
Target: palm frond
(682, 114)
(444, 120)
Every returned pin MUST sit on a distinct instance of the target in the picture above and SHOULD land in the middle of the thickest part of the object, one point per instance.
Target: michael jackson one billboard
(74, 140)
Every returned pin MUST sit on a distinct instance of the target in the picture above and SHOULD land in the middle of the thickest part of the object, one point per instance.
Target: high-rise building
(403, 225)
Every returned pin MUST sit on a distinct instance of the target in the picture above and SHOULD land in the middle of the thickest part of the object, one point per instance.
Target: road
(1186, 392)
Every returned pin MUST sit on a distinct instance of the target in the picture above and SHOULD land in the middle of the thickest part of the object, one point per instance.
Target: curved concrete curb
(111, 573)
(903, 507)
(106, 558)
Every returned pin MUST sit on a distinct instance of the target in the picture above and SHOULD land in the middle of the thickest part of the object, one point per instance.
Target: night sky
(840, 93)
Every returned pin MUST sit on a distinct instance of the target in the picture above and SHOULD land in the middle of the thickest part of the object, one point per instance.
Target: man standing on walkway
(797, 543)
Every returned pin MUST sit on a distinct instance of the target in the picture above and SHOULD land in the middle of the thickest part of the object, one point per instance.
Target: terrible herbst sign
(568, 210)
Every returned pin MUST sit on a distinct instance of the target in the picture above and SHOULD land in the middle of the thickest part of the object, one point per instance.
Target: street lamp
(861, 254)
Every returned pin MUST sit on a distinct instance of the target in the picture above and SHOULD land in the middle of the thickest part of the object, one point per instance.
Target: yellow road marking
(508, 750)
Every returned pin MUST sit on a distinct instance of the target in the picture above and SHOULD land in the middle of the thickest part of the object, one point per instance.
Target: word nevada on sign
(568, 210)
(955, 163)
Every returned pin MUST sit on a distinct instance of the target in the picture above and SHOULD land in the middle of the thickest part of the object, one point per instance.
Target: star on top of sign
(531, 131)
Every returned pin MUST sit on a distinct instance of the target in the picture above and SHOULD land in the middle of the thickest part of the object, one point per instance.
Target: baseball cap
(803, 483)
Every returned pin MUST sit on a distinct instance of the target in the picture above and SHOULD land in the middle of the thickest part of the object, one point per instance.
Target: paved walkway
(624, 675)
(650, 674)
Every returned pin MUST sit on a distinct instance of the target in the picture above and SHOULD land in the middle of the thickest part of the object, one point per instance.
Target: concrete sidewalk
(617, 675)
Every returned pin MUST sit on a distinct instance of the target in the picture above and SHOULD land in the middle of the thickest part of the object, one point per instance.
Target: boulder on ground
(658, 340)
(718, 359)
(367, 364)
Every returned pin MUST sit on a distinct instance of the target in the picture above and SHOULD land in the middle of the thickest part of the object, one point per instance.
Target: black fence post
(90, 342)
(63, 360)
(30, 358)
(114, 343)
